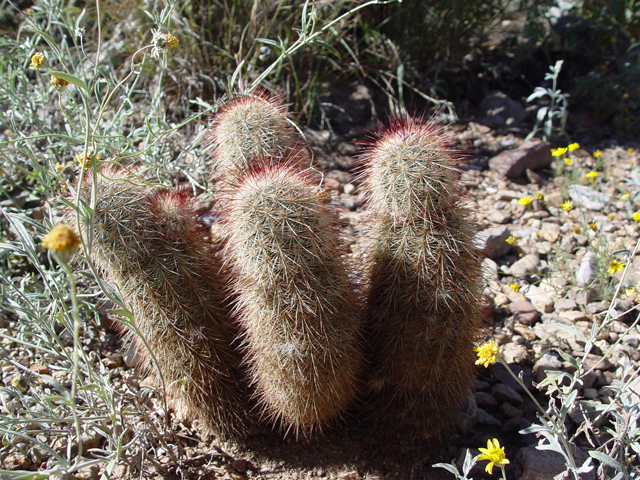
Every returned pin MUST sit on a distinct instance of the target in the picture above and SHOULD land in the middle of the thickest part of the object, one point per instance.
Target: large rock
(585, 272)
(524, 312)
(493, 242)
(532, 464)
(526, 265)
(530, 155)
(586, 196)
(499, 110)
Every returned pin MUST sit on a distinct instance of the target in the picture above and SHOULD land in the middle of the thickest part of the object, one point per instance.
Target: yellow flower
(494, 453)
(19, 383)
(511, 240)
(632, 291)
(597, 154)
(540, 197)
(568, 161)
(576, 230)
(515, 287)
(593, 226)
(59, 83)
(36, 61)
(162, 41)
(591, 175)
(59, 167)
(558, 152)
(630, 150)
(487, 353)
(525, 201)
(86, 163)
(625, 195)
(636, 216)
(62, 241)
(568, 205)
(615, 266)
(573, 146)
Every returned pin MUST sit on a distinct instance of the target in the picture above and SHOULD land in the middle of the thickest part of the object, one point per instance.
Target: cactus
(248, 127)
(149, 243)
(296, 302)
(423, 276)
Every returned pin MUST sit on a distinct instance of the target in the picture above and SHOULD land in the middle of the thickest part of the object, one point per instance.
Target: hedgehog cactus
(423, 275)
(149, 243)
(249, 127)
(297, 303)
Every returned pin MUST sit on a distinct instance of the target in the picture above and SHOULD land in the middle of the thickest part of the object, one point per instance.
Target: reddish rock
(524, 312)
(514, 163)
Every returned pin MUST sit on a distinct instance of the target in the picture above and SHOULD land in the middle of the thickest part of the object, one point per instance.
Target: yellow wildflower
(615, 266)
(86, 163)
(576, 230)
(494, 453)
(59, 167)
(568, 205)
(36, 61)
(162, 41)
(540, 197)
(591, 175)
(62, 241)
(573, 146)
(525, 201)
(515, 287)
(511, 240)
(597, 154)
(487, 353)
(59, 83)
(558, 152)
(630, 150)
(632, 291)
(625, 195)
(537, 235)
(593, 226)
(568, 161)
(636, 216)
(20, 383)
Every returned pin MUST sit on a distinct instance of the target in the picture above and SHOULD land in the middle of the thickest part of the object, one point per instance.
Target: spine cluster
(313, 332)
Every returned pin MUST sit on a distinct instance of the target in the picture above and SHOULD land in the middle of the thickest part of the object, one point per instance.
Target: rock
(573, 316)
(597, 362)
(484, 400)
(530, 155)
(489, 269)
(526, 332)
(533, 176)
(582, 296)
(588, 197)
(468, 415)
(585, 273)
(540, 300)
(500, 110)
(550, 232)
(532, 464)
(554, 199)
(524, 312)
(499, 216)
(504, 393)
(518, 354)
(526, 265)
(565, 304)
(585, 408)
(510, 411)
(16, 461)
(508, 195)
(484, 418)
(493, 242)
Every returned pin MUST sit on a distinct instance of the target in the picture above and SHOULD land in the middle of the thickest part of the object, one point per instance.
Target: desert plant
(248, 127)
(297, 304)
(150, 244)
(557, 107)
(423, 273)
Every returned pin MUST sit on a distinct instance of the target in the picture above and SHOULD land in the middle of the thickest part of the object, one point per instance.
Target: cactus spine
(249, 127)
(423, 275)
(296, 301)
(151, 246)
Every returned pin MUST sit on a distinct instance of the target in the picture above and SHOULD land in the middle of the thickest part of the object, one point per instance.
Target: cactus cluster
(278, 325)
